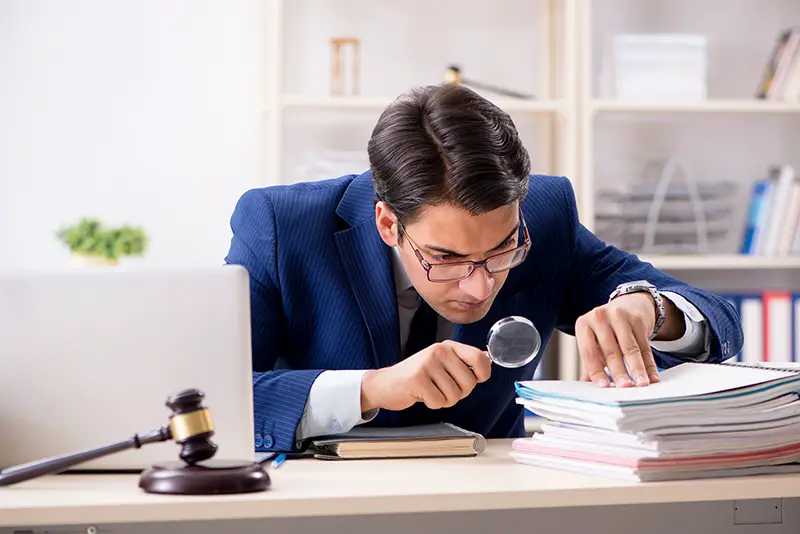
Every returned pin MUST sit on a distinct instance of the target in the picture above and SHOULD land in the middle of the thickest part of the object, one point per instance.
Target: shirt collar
(401, 280)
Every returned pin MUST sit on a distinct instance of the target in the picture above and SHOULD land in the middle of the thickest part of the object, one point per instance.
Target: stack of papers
(660, 66)
(700, 420)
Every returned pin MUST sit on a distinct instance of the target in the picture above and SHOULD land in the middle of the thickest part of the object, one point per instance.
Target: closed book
(419, 441)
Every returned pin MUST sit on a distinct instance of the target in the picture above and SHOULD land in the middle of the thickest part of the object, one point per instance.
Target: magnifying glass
(513, 342)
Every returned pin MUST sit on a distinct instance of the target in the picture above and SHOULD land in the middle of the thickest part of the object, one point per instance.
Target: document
(700, 420)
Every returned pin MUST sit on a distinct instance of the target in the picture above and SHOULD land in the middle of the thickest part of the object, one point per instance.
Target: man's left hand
(617, 335)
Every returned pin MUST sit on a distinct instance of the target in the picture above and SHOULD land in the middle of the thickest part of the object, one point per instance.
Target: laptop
(90, 357)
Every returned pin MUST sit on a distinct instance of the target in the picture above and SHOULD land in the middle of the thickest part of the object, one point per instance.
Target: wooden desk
(306, 488)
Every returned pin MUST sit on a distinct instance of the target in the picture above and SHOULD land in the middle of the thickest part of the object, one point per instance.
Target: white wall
(144, 112)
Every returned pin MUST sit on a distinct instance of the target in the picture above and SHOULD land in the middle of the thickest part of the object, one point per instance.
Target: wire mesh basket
(666, 211)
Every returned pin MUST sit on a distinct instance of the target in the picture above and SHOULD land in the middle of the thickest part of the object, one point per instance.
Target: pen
(278, 461)
(267, 457)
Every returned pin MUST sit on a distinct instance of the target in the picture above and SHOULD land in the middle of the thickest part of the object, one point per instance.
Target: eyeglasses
(456, 271)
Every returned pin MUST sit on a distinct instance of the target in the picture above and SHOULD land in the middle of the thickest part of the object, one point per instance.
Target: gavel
(453, 74)
(191, 427)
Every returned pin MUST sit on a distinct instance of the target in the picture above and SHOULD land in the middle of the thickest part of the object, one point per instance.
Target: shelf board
(379, 103)
(720, 262)
(333, 102)
(709, 106)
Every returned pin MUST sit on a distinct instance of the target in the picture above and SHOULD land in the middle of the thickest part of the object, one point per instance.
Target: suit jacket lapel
(366, 260)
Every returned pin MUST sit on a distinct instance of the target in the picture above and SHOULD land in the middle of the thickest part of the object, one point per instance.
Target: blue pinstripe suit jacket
(322, 297)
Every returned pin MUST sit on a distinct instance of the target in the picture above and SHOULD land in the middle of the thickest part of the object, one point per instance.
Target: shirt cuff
(334, 405)
(694, 344)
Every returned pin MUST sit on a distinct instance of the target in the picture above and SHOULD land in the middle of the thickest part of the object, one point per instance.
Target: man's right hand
(438, 376)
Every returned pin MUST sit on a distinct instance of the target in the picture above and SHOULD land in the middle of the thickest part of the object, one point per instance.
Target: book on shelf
(770, 321)
(772, 227)
(781, 78)
(701, 420)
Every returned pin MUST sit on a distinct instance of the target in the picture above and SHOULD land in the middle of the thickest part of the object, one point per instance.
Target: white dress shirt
(334, 402)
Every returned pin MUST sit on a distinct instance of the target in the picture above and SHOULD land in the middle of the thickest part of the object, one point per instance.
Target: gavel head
(453, 74)
(191, 426)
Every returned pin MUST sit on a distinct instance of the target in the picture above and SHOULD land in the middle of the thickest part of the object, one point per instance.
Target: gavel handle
(57, 464)
(496, 89)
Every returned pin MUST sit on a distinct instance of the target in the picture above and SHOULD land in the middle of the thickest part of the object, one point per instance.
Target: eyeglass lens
(502, 262)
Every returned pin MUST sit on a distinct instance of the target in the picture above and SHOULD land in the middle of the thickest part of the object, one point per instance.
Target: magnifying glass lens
(513, 342)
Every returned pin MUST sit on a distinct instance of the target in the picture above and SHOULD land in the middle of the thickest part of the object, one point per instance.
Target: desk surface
(491, 481)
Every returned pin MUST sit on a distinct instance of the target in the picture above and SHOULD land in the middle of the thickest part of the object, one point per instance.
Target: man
(372, 294)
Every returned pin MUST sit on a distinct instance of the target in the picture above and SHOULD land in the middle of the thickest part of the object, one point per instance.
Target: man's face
(444, 235)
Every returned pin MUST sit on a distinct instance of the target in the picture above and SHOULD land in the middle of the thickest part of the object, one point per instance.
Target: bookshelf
(729, 134)
(735, 66)
(399, 49)
(576, 126)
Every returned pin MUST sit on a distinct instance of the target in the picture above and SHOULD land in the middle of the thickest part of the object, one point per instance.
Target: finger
(631, 351)
(651, 366)
(609, 346)
(643, 339)
(590, 353)
(459, 371)
(432, 396)
(584, 377)
(445, 383)
(475, 358)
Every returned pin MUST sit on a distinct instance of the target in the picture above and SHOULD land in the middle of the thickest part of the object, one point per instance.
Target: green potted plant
(92, 244)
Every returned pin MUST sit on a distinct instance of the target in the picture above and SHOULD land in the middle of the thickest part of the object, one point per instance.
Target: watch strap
(638, 287)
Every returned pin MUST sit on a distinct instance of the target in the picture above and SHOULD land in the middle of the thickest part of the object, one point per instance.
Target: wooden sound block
(213, 477)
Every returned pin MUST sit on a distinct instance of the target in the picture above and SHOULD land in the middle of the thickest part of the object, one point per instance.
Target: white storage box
(660, 66)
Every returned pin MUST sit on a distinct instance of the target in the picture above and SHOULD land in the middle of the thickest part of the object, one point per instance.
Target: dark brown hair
(446, 144)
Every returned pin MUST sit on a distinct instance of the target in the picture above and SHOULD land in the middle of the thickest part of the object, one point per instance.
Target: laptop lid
(90, 357)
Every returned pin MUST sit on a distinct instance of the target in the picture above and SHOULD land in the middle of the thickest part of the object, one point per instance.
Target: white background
(144, 112)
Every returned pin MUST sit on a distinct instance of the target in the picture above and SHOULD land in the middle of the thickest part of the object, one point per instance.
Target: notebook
(421, 441)
(700, 420)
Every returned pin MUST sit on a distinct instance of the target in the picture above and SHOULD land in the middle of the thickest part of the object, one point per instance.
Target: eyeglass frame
(526, 246)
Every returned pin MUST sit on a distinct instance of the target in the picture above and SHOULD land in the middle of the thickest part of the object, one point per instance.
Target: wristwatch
(639, 286)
